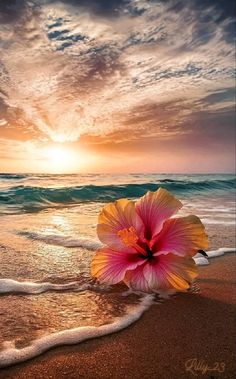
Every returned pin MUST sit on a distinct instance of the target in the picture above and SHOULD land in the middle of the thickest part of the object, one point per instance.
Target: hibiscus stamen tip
(128, 236)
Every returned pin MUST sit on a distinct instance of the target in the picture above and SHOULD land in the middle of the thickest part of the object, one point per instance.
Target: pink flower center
(129, 237)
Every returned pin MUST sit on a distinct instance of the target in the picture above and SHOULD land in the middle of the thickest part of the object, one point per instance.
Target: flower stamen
(129, 237)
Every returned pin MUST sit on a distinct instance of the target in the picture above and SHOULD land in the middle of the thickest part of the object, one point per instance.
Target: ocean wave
(13, 176)
(31, 198)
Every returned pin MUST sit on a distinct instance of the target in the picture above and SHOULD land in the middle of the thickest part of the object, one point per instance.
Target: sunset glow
(119, 81)
(60, 159)
(117, 161)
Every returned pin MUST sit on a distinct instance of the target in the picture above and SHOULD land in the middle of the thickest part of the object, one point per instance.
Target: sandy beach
(162, 343)
(117, 165)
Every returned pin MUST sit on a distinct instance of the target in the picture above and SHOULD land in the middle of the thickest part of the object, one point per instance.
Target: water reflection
(24, 318)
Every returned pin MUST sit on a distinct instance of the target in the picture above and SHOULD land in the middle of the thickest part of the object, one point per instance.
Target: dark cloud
(99, 66)
(215, 127)
(154, 117)
(221, 96)
(10, 10)
(65, 40)
(210, 132)
(209, 14)
(17, 10)
(99, 7)
(3, 108)
(225, 8)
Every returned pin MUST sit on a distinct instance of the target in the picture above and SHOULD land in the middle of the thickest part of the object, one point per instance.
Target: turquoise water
(48, 235)
(29, 193)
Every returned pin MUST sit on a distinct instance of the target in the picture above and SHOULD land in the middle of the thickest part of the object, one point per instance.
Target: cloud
(133, 69)
(221, 98)
(3, 122)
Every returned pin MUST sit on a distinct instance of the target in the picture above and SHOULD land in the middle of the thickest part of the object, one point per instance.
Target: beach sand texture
(190, 335)
(160, 345)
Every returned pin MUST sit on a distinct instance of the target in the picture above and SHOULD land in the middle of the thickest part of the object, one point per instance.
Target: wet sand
(162, 343)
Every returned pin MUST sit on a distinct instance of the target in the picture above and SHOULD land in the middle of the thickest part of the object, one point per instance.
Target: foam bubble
(227, 249)
(215, 253)
(11, 355)
(203, 261)
(10, 285)
(66, 241)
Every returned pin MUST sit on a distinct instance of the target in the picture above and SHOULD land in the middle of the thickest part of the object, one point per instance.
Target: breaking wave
(33, 198)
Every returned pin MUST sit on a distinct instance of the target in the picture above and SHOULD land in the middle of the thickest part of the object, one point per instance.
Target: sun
(60, 158)
(58, 154)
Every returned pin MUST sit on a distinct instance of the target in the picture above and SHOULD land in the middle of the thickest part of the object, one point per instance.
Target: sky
(117, 86)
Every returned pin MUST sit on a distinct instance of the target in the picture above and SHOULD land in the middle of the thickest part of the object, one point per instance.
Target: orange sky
(117, 86)
(116, 158)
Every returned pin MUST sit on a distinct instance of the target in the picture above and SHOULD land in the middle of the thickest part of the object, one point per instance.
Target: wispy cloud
(98, 68)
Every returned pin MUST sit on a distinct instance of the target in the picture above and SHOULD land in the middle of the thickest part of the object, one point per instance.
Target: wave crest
(30, 198)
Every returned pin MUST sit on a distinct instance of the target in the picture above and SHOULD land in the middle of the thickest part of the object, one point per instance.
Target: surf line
(10, 285)
(11, 355)
(203, 261)
(94, 244)
(65, 241)
(14, 286)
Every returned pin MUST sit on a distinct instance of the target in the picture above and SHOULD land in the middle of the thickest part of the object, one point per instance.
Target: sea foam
(11, 355)
(203, 261)
(34, 288)
(10, 285)
(66, 241)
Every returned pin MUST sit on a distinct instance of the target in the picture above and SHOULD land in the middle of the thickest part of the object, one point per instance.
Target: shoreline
(188, 326)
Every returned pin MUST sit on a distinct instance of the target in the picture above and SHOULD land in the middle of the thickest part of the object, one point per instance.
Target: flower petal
(117, 216)
(154, 276)
(135, 279)
(110, 266)
(154, 208)
(181, 236)
(170, 272)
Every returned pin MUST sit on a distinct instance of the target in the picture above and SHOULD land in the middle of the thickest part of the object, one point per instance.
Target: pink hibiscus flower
(146, 248)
